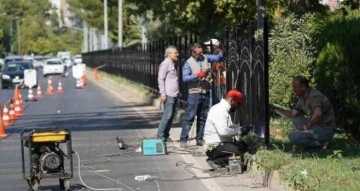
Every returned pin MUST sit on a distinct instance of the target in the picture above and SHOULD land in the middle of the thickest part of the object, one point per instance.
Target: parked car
(13, 73)
(39, 61)
(78, 59)
(13, 58)
(53, 66)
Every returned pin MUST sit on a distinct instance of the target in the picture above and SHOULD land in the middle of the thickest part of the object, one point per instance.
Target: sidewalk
(142, 102)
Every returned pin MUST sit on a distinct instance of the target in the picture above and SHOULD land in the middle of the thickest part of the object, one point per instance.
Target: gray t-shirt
(313, 100)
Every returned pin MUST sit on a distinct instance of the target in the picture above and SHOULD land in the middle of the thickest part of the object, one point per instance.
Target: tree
(290, 50)
(33, 30)
(338, 50)
(195, 16)
(354, 4)
(92, 12)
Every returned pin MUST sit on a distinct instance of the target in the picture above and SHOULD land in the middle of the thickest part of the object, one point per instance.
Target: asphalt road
(95, 118)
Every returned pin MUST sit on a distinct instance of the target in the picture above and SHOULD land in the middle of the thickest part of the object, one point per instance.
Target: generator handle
(22, 150)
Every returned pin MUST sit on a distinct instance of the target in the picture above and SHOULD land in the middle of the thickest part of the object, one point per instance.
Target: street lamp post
(120, 24)
(18, 34)
(260, 12)
(105, 25)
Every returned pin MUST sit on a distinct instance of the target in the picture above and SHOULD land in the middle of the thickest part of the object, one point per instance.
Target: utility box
(151, 147)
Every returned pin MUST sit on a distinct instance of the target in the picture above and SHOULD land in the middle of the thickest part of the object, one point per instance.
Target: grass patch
(335, 169)
(125, 82)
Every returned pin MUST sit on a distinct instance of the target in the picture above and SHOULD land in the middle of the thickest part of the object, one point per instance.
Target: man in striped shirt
(169, 89)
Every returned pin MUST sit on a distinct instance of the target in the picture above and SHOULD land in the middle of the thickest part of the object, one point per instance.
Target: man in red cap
(219, 130)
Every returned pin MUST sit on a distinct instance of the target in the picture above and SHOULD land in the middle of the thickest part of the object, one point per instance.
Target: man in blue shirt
(197, 75)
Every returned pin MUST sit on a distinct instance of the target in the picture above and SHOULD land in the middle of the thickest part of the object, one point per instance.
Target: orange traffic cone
(17, 97)
(20, 98)
(12, 111)
(38, 92)
(31, 96)
(17, 108)
(6, 117)
(79, 84)
(60, 89)
(96, 75)
(84, 79)
(16, 93)
(2, 128)
(50, 89)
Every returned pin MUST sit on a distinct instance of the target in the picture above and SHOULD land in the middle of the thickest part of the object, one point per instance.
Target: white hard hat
(212, 41)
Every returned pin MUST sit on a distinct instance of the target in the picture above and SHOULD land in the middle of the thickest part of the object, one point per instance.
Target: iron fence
(140, 63)
(245, 62)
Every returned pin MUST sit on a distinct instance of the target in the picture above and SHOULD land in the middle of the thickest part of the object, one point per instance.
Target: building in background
(66, 17)
(333, 4)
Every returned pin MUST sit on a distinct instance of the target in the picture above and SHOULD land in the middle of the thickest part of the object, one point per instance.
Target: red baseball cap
(237, 95)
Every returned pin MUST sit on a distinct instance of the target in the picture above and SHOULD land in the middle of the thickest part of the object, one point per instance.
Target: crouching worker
(313, 116)
(220, 131)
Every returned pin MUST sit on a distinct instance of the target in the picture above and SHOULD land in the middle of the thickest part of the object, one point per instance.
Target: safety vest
(202, 86)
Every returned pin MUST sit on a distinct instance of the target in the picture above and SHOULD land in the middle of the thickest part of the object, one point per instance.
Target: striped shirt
(168, 80)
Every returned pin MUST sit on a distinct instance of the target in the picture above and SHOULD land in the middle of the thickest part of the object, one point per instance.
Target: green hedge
(336, 72)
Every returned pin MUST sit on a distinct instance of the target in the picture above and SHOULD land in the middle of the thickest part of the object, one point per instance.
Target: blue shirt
(187, 74)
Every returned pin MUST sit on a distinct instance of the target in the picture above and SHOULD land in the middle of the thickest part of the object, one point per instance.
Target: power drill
(121, 143)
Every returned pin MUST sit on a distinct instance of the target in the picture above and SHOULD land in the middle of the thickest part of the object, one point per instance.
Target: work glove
(242, 130)
(218, 66)
(237, 129)
(201, 74)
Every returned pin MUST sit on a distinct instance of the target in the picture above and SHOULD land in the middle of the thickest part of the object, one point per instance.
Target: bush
(289, 46)
(336, 73)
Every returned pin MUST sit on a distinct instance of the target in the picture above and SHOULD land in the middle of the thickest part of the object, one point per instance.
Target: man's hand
(283, 112)
(201, 74)
(272, 107)
(163, 99)
(303, 127)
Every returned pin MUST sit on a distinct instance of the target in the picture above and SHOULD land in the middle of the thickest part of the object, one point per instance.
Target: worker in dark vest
(196, 73)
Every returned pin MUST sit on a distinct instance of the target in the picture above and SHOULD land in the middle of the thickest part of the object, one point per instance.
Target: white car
(78, 59)
(53, 66)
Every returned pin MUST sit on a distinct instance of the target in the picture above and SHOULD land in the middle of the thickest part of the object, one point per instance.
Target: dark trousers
(220, 154)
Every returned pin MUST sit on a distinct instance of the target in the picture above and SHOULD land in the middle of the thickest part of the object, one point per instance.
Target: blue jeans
(167, 118)
(315, 136)
(197, 105)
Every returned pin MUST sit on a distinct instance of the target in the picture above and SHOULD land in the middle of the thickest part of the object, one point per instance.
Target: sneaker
(183, 144)
(169, 140)
(199, 142)
(325, 145)
(162, 138)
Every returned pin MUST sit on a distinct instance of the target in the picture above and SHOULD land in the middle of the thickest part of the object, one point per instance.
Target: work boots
(183, 144)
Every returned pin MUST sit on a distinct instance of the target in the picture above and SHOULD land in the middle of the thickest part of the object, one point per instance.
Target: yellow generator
(46, 155)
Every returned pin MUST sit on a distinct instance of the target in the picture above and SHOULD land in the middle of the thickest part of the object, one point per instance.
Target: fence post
(266, 79)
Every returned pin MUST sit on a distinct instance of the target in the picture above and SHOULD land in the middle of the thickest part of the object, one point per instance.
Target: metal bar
(266, 79)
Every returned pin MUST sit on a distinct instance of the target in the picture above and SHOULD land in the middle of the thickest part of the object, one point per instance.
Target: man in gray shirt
(169, 90)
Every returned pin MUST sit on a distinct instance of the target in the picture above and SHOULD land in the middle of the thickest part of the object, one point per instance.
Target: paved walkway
(193, 155)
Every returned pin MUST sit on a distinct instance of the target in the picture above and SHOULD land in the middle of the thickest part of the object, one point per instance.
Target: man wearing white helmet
(218, 72)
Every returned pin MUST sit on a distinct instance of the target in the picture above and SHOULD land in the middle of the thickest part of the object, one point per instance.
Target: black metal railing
(245, 62)
(140, 63)
(247, 70)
